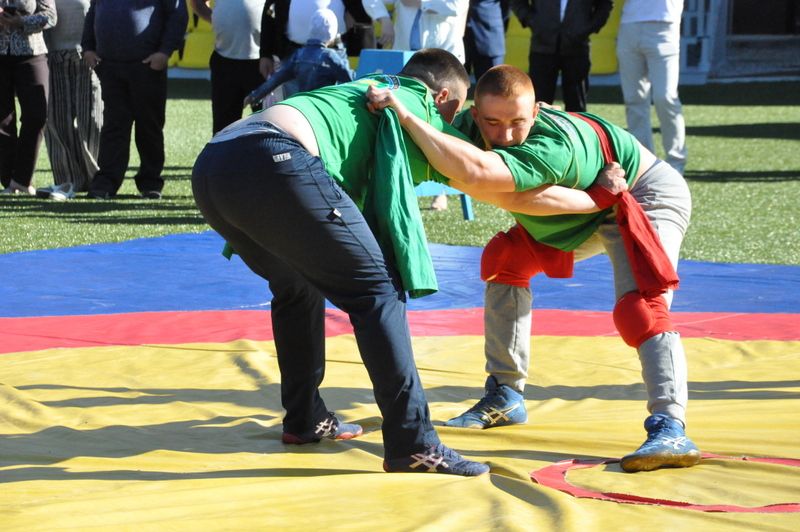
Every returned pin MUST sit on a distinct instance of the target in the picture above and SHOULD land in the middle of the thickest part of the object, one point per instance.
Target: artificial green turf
(744, 173)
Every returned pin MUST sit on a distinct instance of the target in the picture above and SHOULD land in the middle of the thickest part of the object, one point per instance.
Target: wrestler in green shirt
(346, 130)
(374, 161)
(560, 150)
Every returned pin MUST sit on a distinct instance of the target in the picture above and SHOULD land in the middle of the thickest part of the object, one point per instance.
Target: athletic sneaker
(502, 405)
(62, 192)
(666, 446)
(330, 428)
(436, 459)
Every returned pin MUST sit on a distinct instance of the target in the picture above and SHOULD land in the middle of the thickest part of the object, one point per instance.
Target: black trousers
(574, 69)
(134, 96)
(293, 225)
(27, 78)
(231, 81)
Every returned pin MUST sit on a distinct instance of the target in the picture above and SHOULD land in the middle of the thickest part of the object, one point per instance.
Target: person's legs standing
(575, 81)
(115, 136)
(8, 118)
(662, 49)
(543, 70)
(665, 198)
(60, 132)
(74, 119)
(149, 102)
(635, 82)
(293, 210)
(507, 326)
(89, 119)
(231, 81)
(32, 86)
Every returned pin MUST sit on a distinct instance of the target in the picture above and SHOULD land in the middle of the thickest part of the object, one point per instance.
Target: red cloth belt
(652, 269)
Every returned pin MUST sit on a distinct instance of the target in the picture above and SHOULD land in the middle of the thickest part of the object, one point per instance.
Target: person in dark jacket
(485, 35)
(560, 32)
(128, 44)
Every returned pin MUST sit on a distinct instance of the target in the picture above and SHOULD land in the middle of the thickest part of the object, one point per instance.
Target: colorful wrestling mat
(139, 390)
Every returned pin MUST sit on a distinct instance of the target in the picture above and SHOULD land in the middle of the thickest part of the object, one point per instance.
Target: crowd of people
(88, 74)
(303, 167)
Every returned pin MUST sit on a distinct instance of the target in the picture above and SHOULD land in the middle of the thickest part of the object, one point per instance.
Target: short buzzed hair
(505, 81)
(437, 68)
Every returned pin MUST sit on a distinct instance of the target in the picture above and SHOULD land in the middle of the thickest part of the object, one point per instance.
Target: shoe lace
(485, 401)
(658, 432)
(327, 426)
(445, 452)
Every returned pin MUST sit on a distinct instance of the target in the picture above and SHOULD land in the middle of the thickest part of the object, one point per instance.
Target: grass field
(744, 173)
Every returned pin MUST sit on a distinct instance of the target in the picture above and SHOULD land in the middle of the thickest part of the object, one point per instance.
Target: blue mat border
(186, 272)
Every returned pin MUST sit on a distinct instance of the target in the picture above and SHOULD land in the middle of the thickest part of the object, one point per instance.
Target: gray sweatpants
(664, 196)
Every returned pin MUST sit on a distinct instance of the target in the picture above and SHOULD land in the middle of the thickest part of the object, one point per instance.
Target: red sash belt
(650, 265)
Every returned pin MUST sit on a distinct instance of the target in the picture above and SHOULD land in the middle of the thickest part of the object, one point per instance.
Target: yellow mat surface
(187, 437)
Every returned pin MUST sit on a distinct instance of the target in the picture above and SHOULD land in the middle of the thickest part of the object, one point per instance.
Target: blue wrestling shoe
(330, 428)
(436, 459)
(666, 446)
(501, 405)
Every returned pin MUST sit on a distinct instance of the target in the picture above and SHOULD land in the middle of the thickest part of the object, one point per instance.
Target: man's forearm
(459, 160)
(546, 200)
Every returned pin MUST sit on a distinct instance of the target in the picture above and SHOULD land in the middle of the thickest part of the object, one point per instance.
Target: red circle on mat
(555, 476)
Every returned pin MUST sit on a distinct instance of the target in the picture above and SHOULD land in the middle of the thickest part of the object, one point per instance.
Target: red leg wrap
(639, 318)
(508, 259)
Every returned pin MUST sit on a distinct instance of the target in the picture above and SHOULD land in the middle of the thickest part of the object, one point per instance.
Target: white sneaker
(63, 192)
(15, 189)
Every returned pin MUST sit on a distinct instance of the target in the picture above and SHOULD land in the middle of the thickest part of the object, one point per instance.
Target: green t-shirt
(560, 150)
(346, 130)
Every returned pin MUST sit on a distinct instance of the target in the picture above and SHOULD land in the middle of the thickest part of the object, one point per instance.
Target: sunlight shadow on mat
(188, 436)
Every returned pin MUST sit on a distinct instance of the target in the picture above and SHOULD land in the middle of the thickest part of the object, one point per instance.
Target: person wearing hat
(314, 65)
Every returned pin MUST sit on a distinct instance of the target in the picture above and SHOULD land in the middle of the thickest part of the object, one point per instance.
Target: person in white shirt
(234, 64)
(422, 24)
(648, 50)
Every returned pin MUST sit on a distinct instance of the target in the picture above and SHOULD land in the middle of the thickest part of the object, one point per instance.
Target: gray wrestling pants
(665, 198)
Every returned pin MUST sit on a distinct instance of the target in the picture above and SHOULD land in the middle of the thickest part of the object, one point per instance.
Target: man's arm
(176, 17)
(456, 159)
(523, 10)
(548, 200)
(602, 10)
(202, 9)
(485, 176)
(376, 9)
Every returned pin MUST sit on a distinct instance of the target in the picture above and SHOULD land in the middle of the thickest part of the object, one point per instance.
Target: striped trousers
(75, 115)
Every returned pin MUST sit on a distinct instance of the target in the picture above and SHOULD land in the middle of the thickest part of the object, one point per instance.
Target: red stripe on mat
(141, 328)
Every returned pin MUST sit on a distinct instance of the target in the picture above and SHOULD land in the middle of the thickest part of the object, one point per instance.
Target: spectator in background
(285, 28)
(234, 63)
(24, 74)
(436, 24)
(648, 50)
(484, 36)
(128, 45)
(560, 32)
(75, 111)
(312, 66)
